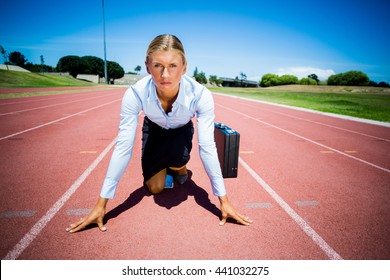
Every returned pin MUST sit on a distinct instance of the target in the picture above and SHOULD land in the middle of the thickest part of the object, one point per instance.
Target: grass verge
(14, 79)
(366, 103)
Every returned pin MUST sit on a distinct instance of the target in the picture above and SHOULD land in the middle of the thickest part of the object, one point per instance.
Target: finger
(101, 226)
(249, 220)
(76, 229)
(246, 219)
(223, 220)
(242, 220)
(82, 223)
(74, 225)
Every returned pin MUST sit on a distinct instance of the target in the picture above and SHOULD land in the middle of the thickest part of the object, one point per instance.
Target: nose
(165, 73)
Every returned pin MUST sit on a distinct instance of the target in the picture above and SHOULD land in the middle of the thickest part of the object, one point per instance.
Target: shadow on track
(169, 198)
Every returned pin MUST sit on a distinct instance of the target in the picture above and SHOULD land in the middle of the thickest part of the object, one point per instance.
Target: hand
(228, 211)
(94, 217)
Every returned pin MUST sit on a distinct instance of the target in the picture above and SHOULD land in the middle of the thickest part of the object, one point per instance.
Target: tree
(308, 81)
(5, 56)
(92, 65)
(380, 84)
(269, 80)
(336, 79)
(42, 67)
(114, 70)
(350, 78)
(39, 67)
(17, 58)
(201, 78)
(195, 72)
(89, 65)
(137, 69)
(314, 77)
(356, 78)
(242, 77)
(288, 80)
(372, 84)
(213, 79)
(71, 64)
(383, 84)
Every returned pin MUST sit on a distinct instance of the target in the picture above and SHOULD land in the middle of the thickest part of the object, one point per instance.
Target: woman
(169, 100)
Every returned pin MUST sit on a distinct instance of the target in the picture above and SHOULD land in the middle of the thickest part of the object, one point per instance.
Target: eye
(172, 65)
(157, 65)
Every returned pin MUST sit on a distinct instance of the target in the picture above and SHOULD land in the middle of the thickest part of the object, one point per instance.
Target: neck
(167, 100)
(167, 96)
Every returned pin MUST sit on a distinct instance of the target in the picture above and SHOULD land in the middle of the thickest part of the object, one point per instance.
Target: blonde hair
(166, 42)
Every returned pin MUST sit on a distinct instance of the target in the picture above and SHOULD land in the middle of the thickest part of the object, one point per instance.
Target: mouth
(165, 83)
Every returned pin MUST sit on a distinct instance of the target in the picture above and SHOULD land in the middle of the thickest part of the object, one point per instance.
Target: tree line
(18, 59)
(89, 65)
(73, 64)
(350, 78)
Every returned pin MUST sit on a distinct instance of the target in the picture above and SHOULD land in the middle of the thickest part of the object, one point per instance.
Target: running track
(316, 187)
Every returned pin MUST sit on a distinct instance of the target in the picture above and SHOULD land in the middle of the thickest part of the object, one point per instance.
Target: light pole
(104, 39)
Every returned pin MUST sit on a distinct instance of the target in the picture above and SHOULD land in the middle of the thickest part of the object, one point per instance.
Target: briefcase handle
(223, 127)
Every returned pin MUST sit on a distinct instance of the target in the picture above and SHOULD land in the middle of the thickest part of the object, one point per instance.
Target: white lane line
(52, 105)
(325, 247)
(58, 120)
(40, 225)
(309, 140)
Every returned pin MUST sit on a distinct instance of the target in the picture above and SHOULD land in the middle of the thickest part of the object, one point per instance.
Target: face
(166, 68)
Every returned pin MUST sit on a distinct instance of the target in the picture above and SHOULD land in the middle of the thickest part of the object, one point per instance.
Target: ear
(185, 68)
(147, 67)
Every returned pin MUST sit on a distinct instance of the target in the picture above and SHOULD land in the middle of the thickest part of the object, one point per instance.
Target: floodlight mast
(104, 40)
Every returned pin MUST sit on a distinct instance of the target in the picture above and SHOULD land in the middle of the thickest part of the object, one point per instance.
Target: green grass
(14, 79)
(373, 105)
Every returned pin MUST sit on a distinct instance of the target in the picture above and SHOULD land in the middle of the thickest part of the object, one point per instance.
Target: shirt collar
(152, 91)
(182, 92)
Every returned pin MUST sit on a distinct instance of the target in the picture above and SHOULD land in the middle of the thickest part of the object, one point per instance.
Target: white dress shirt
(193, 100)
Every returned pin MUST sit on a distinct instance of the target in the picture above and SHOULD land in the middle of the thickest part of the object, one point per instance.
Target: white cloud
(303, 72)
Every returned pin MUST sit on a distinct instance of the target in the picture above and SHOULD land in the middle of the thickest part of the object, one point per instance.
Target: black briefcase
(227, 141)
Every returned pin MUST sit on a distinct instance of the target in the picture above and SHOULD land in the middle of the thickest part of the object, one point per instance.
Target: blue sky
(222, 38)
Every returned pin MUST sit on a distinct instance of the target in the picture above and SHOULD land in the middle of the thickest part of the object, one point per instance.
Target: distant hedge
(270, 80)
(308, 81)
(351, 78)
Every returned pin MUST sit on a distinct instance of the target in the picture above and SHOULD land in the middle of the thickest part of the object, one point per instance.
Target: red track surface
(316, 187)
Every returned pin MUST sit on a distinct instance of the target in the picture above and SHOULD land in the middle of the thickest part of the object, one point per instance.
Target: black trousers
(163, 148)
